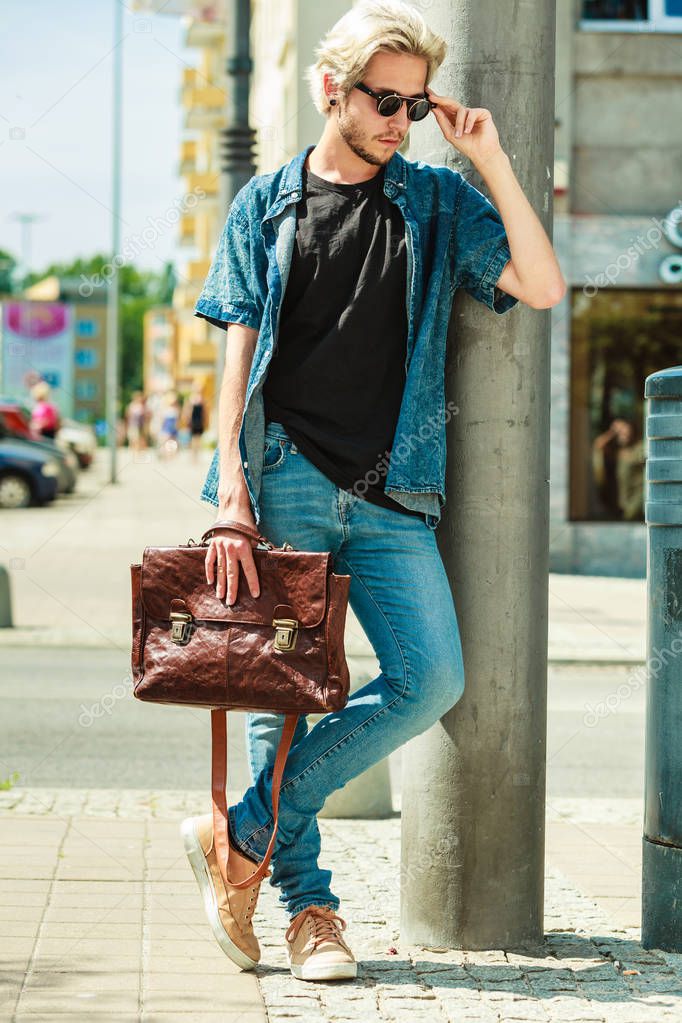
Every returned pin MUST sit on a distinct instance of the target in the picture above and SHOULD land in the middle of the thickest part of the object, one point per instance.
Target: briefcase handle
(243, 527)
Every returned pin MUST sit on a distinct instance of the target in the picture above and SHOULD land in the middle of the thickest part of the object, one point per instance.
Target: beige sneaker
(230, 910)
(315, 947)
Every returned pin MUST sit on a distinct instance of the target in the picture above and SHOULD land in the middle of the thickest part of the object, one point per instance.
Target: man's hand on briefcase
(226, 551)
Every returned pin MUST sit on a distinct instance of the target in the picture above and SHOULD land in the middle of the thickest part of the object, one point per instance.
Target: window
(86, 358)
(632, 15)
(618, 337)
(86, 390)
(86, 328)
(615, 10)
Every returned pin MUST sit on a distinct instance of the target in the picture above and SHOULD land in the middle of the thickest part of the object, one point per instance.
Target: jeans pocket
(274, 453)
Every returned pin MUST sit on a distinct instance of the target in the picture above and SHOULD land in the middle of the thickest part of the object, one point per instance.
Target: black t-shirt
(336, 377)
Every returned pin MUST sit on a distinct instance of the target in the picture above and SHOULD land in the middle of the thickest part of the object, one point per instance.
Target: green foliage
(7, 267)
(8, 783)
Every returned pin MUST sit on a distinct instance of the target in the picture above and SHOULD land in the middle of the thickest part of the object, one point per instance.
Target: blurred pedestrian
(194, 415)
(136, 421)
(45, 418)
(168, 434)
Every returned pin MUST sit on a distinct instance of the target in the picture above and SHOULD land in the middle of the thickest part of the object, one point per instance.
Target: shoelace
(324, 923)
(252, 901)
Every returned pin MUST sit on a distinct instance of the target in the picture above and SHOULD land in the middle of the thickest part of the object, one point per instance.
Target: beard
(356, 139)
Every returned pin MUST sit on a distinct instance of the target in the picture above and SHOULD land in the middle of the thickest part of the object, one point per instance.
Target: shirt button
(245, 464)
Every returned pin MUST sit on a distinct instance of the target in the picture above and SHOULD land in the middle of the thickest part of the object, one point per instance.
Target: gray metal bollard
(5, 599)
(662, 839)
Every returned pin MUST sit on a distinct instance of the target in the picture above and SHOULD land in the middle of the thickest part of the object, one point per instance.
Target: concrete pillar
(473, 801)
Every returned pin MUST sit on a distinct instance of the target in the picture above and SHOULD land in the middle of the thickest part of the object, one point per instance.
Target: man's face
(361, 126)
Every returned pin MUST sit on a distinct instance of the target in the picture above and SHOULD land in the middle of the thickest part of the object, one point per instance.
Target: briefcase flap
(292, 583)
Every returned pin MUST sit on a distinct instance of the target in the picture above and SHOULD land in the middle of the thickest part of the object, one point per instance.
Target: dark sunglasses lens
(389, 105)
(419, 110)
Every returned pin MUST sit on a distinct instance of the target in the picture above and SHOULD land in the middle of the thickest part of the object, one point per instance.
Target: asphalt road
(69, 720)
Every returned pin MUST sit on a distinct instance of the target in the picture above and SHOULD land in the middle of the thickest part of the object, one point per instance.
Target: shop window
(615, 10)
(633, 15)
(618, 337)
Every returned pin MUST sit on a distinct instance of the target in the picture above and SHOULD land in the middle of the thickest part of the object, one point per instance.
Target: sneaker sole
(340, 971)
(197, 861)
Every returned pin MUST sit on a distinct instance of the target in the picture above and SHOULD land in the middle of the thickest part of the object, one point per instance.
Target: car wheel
(15, 491)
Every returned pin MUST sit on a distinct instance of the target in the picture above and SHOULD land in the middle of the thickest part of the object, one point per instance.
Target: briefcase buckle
(181, 627)
(286, 631)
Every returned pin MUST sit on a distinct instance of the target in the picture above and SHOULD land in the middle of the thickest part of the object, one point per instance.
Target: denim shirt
(455, 238)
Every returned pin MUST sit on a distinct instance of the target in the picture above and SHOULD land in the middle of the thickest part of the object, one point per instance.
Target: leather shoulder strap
(219, 793)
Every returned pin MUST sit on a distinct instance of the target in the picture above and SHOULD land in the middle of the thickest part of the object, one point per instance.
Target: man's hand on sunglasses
(471, 130)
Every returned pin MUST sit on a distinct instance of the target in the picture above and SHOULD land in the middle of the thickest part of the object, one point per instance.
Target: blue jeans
(401, 596)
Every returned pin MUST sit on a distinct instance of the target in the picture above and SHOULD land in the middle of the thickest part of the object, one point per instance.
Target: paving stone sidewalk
(100, 920)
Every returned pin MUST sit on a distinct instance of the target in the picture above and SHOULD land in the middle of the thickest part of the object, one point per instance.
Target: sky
(56, 73)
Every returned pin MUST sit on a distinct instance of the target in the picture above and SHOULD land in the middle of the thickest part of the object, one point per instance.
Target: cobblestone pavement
(100, 919)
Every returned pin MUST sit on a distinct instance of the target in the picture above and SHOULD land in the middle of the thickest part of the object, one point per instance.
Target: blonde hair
(40, 390)
(369, 27)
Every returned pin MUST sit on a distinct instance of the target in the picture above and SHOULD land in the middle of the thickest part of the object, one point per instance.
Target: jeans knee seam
(407, 670)
(398, 696)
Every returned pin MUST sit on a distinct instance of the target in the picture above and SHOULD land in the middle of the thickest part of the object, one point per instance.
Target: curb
(38, 637)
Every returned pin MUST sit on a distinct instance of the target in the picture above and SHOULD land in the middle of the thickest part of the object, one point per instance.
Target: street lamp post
(113, 326)
(237, 138)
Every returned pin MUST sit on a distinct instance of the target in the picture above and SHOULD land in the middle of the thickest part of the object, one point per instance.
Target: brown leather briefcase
(282, 651)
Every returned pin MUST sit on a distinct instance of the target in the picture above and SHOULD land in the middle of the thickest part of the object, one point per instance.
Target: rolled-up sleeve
(228, 295)
(480, 248)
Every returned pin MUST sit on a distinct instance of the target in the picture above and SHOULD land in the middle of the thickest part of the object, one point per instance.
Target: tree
(8, 265)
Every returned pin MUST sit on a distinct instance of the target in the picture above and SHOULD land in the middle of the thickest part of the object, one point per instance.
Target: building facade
(618, 237)
(82, 395)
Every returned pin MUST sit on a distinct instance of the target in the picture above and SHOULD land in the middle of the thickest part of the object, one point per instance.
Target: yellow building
(281, 111)
(160, 350)
(202, 96)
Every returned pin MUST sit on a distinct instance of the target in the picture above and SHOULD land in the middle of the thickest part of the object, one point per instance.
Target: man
(336, 275)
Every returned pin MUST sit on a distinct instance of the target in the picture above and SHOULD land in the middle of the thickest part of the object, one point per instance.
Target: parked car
(18, 419)
(28, 474)
(67, 461)
(80, 438)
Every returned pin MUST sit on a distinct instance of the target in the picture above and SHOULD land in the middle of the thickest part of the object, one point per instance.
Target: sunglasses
(389, 103)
